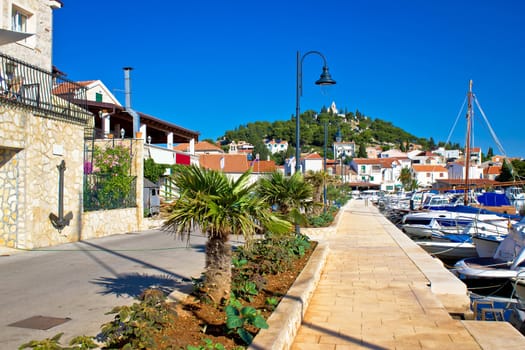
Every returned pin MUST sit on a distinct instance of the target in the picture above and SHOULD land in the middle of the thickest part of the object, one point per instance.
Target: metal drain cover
(40, 322)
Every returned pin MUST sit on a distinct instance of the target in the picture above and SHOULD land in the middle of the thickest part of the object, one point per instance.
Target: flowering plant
(112, 160)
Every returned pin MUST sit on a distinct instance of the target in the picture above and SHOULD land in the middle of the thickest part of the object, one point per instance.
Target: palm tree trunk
(218, 273)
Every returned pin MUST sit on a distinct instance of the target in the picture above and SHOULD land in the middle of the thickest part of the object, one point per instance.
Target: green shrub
(136, 326)
(272, 303)
(81, 342)
(239, 317)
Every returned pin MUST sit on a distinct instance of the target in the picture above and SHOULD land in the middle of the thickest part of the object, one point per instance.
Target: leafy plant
(136, 326)
(238, 263)
(81, 342)
(239, 317)
(272, 303)
(208, 345)
(246, 290)
(46, 344)
(152, 170)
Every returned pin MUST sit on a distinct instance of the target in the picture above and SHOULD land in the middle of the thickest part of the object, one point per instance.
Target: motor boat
(424, 224)
(450, 247)
(486, 245)
(508, 262)
(514, 193)
(421, 229)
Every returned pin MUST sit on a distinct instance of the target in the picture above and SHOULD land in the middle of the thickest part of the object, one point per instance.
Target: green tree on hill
(361, 153)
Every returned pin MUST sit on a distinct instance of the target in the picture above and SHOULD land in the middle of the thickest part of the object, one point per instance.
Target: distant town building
(333, 109)
(426, 175)
(456, 170)
(312, 162)
(380, 171)
(373, 152)
(426, 158)
(344, 149)
(276, 146)
(393, 153)
(448, 154)
(240, 147)
(491, 172)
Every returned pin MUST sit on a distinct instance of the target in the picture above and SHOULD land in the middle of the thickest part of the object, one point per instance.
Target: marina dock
(379, 290)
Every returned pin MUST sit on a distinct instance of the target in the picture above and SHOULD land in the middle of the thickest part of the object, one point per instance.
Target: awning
(9, 36)
(182, 159)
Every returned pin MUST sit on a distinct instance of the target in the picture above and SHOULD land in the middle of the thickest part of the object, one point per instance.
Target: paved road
(84, 280)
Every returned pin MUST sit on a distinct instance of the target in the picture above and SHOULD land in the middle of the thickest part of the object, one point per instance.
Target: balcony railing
(27, 86)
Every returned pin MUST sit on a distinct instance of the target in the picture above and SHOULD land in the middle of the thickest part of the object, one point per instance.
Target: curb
(287, 317)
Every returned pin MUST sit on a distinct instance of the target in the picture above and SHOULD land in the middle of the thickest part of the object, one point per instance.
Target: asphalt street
(84, 280)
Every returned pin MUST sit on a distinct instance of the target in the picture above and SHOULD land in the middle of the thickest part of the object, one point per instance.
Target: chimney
(127, 87)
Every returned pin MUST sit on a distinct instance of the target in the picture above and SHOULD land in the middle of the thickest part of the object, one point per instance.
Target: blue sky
(211, 66)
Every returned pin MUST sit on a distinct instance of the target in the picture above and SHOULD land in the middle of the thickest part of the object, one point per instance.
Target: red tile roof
(492, 170)
(202, 146)
(312, 156)
(429, 168)
(263, 166)
(384, 162)
(233, 163)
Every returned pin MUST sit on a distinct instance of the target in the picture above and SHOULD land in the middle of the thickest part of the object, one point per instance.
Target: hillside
(356, 127)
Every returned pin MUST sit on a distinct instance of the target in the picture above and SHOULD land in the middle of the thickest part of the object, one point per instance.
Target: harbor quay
(374, 288)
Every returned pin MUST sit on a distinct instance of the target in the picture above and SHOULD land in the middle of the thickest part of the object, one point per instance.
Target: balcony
(48, 95)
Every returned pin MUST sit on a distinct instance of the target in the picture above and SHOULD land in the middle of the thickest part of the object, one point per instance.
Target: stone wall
(31, 149)
(9, 196)
(102, 223)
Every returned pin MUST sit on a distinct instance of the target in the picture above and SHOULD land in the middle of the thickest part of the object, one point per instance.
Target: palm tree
(316, 179)
(220, 207)
(319, 180)
(290, 195)
(406, 178)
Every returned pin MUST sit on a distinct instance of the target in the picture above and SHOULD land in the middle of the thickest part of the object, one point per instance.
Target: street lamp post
(324, 79)
(324, 164)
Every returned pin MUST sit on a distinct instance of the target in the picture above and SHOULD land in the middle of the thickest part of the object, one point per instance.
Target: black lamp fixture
(325, 78)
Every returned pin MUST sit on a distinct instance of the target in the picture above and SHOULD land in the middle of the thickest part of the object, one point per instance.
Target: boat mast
(467, 146)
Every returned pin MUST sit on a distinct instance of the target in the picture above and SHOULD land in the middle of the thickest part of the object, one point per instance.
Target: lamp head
(325, 78)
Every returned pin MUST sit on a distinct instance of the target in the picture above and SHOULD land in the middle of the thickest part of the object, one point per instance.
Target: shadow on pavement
(134, 284)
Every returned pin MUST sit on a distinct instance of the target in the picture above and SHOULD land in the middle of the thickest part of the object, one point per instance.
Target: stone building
(46, 126)
(38, 133)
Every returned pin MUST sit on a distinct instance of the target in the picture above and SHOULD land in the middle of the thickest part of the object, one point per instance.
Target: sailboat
(468, 182)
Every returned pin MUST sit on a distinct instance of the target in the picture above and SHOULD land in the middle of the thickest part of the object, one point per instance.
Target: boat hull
(485, 247)
(479, 268)
(449, 250)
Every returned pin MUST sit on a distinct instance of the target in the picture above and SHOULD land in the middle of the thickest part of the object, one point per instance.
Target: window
(98, 97)
(23, 21)
(19, 21)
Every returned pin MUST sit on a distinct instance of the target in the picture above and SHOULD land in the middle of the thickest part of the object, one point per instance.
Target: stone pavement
(374, 294)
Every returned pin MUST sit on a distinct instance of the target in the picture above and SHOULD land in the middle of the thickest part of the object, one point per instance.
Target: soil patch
(197, 321)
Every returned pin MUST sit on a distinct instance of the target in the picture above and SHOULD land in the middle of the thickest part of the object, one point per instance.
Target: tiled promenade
(373, 294)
